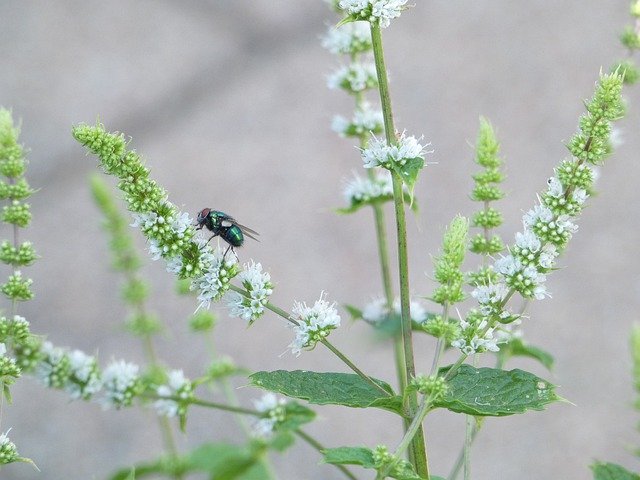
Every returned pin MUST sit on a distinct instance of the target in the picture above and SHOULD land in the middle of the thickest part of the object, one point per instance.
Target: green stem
(418, 452)
(318, 446)
(325, 342)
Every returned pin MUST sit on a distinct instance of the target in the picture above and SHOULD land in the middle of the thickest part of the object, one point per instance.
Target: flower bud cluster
(433, 386)
(630, 38)
(258, 287)
(365, 191)
(8, 450)
(354, 78)
(487, 189)
(313, 324)
(448, 266)
(15, 189)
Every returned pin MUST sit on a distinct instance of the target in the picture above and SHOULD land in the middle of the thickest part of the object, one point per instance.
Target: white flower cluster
(365, 119)
(382, 11)
(380, 154)
(178, 228)
(218, 272)
(376, 311)
(476, 337)
(355, 77)
(84, 376)
(273, 411)
(177, 386)
(347, 39)
(547, 229)
(364, 189)
(53, 366)
(314, 323)
(259, 287)
(120, 382)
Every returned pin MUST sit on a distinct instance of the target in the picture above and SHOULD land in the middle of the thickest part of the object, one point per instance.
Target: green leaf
(223, 461)
(345, 389)
(493, 392)
(132, 475)
(349, 456)
(516, 347)
(409, 173)
(611, 471)
(355, 312)
(296, 415)
(364, 457)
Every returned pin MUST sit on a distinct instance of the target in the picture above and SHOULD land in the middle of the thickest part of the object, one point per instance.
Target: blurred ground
(227, 101)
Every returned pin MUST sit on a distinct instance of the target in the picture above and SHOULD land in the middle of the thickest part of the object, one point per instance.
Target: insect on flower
(224, 226)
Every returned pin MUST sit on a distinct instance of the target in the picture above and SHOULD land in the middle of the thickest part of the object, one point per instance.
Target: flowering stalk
(589, 145)
(354, 39)
(418, 453)
(16, 213)
(135, 291)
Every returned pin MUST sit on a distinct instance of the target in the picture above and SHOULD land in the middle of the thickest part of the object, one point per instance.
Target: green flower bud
(135, 291)
(21, 256)
(630, 39)
(628, 69)
(489, 218)
(143, 325)
(16, 191)
(432, 386)
(27, 353)
(487, 146)
(9, 370)
(447, 266)
(17, 214)
(17, 288)
(8, 450)
(439, 328)
(634, 9)
(480, 245)
(202, 321)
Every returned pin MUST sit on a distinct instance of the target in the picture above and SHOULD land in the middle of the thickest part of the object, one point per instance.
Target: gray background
(227, 101)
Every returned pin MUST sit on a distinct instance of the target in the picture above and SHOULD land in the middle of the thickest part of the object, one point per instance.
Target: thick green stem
(418, 451)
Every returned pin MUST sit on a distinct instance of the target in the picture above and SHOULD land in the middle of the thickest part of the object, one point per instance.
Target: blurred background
(227, 102)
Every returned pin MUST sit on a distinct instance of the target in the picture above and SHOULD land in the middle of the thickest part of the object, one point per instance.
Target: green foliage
(516, 347)
(493, 392)
(611, 471)
(344, 389)
(371, 459)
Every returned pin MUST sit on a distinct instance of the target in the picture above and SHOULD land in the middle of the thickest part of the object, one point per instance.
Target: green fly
(224, 226)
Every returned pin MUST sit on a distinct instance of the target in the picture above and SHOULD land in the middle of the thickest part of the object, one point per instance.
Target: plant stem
(325, 342)
(418, 451)
(318, 446)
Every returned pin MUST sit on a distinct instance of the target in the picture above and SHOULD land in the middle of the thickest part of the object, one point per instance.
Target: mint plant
(473, 312)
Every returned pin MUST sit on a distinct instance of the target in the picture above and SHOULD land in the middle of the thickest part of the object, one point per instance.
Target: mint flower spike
(548, 226)
(313, 324)
(380, 11)
(171, 233)
(121, 383)
(448, 265)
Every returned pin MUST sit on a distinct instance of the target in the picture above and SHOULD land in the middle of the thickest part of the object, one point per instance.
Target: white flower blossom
(355, 77)
(119, 382)
(52, 368)
(365, 119)
(380, 154)
(537, 213)
(273, 411)
(349, 38)
(259, 287)
(84, 379)
(214, 282)
(177, 386)
(376, 311)
(382, 11)
(555, 187)
(363, 189)
(314, 323)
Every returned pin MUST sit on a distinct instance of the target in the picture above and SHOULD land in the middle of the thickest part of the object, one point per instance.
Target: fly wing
(248, 232)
